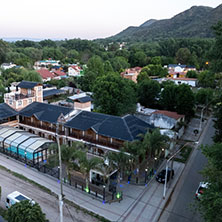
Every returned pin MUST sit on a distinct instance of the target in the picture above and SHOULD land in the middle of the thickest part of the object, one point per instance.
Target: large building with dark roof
(7, 114)
(99, 132)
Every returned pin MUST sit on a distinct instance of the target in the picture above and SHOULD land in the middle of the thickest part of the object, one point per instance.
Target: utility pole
(60, 174)
(165, 182)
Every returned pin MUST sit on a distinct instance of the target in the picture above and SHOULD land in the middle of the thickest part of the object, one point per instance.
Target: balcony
(43, 127)
(18, 96)
(99, 141)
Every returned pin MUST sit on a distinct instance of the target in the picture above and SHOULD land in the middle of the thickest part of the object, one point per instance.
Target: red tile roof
(170, 114)
(59, 73)
(45, 74)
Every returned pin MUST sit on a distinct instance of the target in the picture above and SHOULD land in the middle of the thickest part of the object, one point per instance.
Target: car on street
(162, 174)
(200, 190)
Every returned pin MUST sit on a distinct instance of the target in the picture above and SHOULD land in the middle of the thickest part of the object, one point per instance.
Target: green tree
(210, 205)
(95, 64)
(31, 75)
(206, 79)
(25, 211)
(88, 164)
(148, 91)
(4, 48)
(114, 95)
(120, 160)
(191, 74)
(108, 67)
(119, 63)
(183, 56)
(185, 100)
(216, 53)
(218, 120)
(204, 96)
(138, 58)
(154, 142)
(168, 97)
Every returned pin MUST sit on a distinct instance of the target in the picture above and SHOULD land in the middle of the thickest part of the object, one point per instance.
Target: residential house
(74, 70)
(162, 119)
(46, 64)
(81, 101)
(50, 93)
(179, 71)
(7, 65)
(131, 73)
(182, 80)
(46, 75)
(58, 74)
(26, 92)
(8, 116)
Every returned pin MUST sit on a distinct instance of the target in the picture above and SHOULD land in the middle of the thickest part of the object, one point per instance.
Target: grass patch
(45, 189)
(184, 154)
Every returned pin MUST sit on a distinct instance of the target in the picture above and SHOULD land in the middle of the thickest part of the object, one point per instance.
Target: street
(182, 205)
(48, 203)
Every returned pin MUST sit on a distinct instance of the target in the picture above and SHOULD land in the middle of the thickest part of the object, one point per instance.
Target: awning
(23, 137)
(33, 147)
(9, 132)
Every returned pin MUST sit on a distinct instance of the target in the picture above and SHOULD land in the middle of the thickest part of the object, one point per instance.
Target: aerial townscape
(126, 128)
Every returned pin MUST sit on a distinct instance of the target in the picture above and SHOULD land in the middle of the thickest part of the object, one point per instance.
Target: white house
(74, 70)
(7, 65)
(189, 81)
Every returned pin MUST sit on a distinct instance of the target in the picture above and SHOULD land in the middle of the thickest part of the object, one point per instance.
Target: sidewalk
(140, 203)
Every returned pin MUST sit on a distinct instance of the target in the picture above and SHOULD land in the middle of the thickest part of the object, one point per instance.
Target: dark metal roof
(45, 112)
(6, 111)
(52, 92)
(124, 128)
(84, 99)
(27, 84)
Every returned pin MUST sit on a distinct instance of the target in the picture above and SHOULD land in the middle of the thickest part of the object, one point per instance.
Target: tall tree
(87, 164)
(148, 91)
(114, 95)
(185, 100)
(216, 53)
(210, 205)
(218, 120)
(168, 97)
(25, 211)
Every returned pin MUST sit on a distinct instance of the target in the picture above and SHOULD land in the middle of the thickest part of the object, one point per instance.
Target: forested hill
(195, 22)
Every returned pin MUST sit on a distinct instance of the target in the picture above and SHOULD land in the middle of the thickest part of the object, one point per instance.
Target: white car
(202, 186)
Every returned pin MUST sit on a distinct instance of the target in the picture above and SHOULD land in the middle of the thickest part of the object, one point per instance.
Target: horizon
(85, 20)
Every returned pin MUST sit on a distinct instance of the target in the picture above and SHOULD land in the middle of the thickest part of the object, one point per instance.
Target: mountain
(195, 22)
(148, 23)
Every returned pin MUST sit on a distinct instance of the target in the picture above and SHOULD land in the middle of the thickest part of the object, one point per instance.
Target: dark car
(162, 174)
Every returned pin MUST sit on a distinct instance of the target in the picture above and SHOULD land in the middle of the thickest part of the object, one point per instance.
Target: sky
(85, 19)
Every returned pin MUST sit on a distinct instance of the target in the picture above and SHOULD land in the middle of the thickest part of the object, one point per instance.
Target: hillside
(194, 22)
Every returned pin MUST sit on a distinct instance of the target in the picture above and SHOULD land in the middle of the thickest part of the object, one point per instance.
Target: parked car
(162, 174)
(16, 197)
(200, 190)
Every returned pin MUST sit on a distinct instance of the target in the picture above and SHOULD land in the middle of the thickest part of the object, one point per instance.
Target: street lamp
(104, 193)
(60, 172)
(146, 175)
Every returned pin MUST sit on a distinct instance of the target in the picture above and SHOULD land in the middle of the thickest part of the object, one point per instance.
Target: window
(39, 88)
(29, 91)
(30, 100)
(19, 102)
(10, 102)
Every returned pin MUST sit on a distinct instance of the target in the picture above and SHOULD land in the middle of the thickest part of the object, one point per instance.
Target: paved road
(181, 207)
(48, 203)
